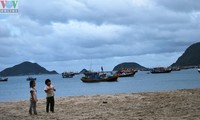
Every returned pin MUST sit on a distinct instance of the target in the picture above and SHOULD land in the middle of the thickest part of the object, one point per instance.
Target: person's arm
(53, 88)
(46, 89)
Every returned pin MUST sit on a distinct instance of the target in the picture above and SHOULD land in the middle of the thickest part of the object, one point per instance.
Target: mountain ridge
(26, 68)
(191, 56)
(126, 65)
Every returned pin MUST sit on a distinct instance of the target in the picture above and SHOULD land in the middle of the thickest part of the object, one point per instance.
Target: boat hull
(67, 75)
(156, 72)
(127, 75)
(90, 80)
(160, 70)
(3, 79)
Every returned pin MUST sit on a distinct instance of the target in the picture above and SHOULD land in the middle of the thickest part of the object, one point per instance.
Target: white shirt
(50, 92)
(34, 94)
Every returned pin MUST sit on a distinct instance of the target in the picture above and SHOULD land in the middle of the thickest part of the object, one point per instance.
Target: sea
(17, 88)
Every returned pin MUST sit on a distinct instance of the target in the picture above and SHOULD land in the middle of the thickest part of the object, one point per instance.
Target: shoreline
(176, 104)
(57, 97)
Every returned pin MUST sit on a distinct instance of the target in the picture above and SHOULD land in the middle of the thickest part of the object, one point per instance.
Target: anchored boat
(99, 77)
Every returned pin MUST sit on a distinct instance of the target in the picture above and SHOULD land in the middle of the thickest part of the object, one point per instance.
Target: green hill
(191, 57)
(25, 68)
(126, 65)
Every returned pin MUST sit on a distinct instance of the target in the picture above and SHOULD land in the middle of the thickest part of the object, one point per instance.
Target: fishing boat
(175, 68)
(160, 70)
(126, 72)
(30, 78)
(99, 77)
(198, 70)
(3, 79)
(68, 74)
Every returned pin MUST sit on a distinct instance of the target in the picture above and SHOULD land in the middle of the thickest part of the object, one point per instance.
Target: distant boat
(198, 70)
(30, 78)
(176, 68)
(126, 72)
(160, 70)
(3, 79)
(68, 74)
(99, 77)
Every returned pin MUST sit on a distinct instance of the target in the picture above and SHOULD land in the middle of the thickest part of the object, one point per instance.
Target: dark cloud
(180, 5)
(53, 11)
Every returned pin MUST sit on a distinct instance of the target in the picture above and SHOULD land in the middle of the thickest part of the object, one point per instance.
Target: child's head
(32, 83)
(48, 82)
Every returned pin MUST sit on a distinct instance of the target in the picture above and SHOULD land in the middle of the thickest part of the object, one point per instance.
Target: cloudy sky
(69, 35)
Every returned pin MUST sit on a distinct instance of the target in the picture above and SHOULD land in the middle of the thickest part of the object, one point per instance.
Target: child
(49, 89)
(33, 98)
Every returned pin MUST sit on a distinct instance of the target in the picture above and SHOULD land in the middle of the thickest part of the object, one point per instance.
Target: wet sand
(166, 105)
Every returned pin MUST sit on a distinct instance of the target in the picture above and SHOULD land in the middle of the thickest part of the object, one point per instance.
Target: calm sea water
(17, 88)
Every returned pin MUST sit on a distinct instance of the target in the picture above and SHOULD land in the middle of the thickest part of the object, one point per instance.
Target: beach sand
(166, 105)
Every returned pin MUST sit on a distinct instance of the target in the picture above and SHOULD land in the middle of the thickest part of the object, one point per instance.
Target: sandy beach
(166, 105)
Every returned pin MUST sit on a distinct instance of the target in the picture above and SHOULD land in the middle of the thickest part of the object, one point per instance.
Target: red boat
(126, 72)
(98, 77)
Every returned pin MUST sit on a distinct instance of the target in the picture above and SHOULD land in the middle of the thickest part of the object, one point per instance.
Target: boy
(49, 89)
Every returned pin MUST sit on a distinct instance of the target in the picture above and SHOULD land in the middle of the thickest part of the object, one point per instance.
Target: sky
(69, 35)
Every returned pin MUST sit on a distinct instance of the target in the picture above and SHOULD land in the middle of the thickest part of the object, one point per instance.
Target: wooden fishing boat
(160, 70)
(126, 72)
(109, 79)
(99, 77)
(129, 74)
